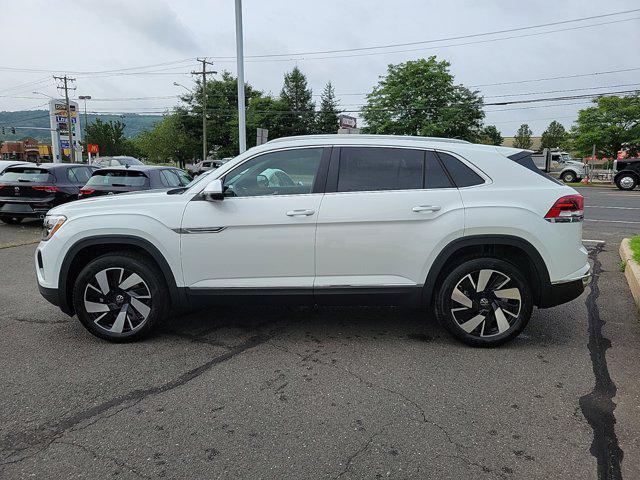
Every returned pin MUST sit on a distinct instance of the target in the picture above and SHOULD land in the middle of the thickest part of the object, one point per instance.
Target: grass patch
(634, 243)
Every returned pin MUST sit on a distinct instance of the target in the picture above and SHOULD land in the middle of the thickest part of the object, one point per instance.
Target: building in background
(537, 143)
(27, 150)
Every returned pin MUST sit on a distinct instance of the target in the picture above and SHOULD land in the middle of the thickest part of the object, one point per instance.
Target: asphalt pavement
(325, 393)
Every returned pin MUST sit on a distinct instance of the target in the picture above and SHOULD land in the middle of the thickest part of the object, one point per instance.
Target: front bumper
(52, 295)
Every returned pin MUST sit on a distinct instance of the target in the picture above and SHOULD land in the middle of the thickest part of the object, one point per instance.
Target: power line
(421, 42)
(76, 72)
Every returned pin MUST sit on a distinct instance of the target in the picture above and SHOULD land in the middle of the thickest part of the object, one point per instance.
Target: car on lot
(118, 160)
(31, 190)
(206, 165)
(627, 176)
(4, 164)
(475, 233)
(113, 180)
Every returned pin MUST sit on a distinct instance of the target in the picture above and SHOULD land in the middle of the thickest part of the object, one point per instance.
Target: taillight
(566, 209)
(86, 191)
(47, 188)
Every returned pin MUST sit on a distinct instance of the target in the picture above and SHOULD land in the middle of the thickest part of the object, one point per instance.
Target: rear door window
(462, 175)
(118, 178)
(374, 169)
(27, 175)
(434, 174)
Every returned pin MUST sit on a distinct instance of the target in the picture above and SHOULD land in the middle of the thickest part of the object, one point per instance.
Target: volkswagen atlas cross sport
(474, 233)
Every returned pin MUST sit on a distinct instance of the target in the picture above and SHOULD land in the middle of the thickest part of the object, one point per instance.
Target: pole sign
(262, 135)
(347, 121)
(60, 129)
(93, 148)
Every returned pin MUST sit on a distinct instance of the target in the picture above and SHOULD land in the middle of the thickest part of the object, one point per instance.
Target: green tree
(611, 125)
(167, 141)
(554, 136)
(265, 112)
(523, 137)
(296, 100)
(490, 135)
(327, 117)
(110, 138)
(420, 98)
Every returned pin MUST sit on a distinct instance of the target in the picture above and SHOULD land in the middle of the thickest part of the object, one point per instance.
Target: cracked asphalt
(325, 393)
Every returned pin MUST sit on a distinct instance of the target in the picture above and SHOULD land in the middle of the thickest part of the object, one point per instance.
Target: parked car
(562, 166)
(112, 180)
(206, 165)
(29, 191)
(476, 233)
(628, 173)
(4, 164)
(119, 160)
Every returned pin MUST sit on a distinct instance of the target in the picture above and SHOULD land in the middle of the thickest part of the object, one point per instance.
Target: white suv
(475, 233)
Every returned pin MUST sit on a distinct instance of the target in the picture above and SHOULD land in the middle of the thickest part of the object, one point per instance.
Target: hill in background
(40, 118)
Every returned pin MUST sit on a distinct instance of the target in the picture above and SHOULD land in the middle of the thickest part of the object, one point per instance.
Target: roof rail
(351, 136)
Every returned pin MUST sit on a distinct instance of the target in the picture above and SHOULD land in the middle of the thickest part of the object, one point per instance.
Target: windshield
(565, 156)
(117, 178)
(33, 175)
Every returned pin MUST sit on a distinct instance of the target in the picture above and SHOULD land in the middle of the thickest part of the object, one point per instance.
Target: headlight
(51, 225)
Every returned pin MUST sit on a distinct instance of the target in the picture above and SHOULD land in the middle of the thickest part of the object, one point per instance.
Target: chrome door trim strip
(199, 230)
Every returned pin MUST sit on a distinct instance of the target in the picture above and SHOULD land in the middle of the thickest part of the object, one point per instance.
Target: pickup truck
(205, 165)
(562, 166)
(627, 175)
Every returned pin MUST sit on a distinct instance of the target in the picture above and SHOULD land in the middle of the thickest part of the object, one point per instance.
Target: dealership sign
(60, 129)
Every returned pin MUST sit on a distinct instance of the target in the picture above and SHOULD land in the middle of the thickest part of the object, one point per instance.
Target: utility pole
(204, 74)
(66, 87)
(242, 123)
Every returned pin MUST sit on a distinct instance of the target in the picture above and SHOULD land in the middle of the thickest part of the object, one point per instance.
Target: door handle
(427, 208)
(303, 212)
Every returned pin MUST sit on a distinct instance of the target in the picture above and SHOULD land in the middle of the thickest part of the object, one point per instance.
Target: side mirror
(214, 190)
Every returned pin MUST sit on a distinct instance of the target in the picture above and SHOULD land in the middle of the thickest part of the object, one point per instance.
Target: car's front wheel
(484, 302)
(626, 181)
(120, 296)
(10, 220)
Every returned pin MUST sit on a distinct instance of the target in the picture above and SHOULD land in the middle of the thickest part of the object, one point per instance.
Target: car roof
(50, 166)
(137, 168)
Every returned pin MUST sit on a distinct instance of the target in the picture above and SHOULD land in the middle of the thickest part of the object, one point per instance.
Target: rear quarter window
(524, 159)
(462, 175)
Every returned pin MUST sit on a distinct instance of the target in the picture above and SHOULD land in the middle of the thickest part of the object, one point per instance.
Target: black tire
(626, 181)
(124, 313)
(569, 176)
(491, 330)
(11, 220)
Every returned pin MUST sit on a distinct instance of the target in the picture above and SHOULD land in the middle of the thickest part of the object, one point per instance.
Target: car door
(260, 236)
(385, 212)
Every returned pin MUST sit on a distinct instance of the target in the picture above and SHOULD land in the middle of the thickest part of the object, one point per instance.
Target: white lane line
(593, 241)
(615, 208)
(608, 221)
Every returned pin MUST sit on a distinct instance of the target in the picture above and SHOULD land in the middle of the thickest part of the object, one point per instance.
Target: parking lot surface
(325, 393)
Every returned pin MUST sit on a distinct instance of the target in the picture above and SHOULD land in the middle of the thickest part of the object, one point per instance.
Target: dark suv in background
(628, 173)
(29, 191)
(112, 180)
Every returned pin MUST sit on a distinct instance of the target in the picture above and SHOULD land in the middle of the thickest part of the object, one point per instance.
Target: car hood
(128, 202)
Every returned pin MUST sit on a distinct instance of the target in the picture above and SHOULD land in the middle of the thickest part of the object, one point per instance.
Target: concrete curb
(631, 271)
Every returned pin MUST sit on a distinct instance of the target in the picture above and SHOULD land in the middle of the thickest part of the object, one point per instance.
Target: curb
(631, 271)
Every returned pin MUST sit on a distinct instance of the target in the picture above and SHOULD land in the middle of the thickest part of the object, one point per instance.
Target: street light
(40, 93)
(180, 85)
(85, 98)
(242, 126)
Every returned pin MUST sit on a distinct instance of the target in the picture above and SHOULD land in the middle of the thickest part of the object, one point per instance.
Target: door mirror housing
(214, 190)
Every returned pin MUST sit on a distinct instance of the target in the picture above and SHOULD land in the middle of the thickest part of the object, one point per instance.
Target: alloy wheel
(486, 303)
(117, 300)
(627, 182)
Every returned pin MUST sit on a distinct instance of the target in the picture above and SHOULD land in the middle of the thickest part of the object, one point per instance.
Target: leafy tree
(523, 137)
(110, 138)
(295, 99)
(167, 141)
(420, 98)
(490, 135)
(554, 136)
(265, 112)
(327, 117)
(611, 125)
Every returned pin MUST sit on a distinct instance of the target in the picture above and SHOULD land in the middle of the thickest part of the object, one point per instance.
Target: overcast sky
(96, 35)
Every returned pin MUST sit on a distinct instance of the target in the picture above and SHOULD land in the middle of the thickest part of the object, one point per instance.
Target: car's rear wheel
(484, 302)
(626, 181)
(569, 177)
(120, 297)
(10, 220)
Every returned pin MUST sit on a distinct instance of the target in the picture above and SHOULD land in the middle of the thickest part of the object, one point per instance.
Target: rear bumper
(24, 209)
(559, 293)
